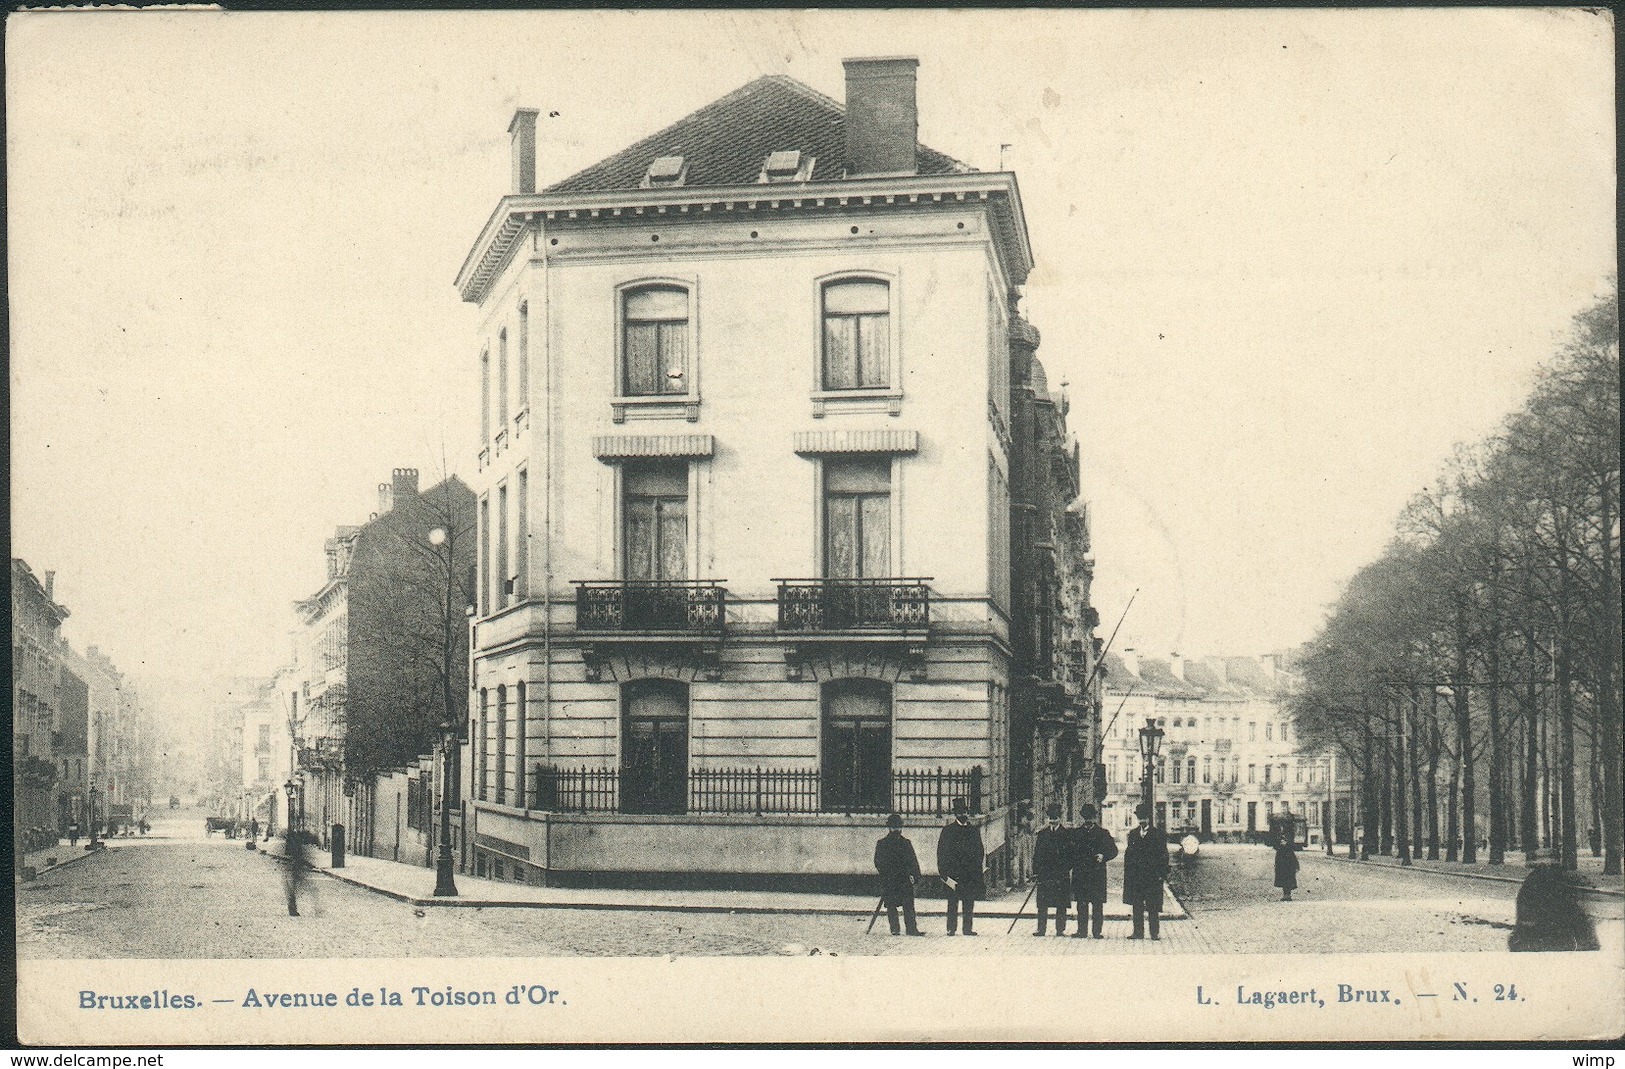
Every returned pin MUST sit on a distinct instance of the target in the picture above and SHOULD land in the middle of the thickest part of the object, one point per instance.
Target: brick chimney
(404, 482)
(386, 498)
(522, 138)
(1131, 660)
(1176, 665)
(882, 123)
(50, 584)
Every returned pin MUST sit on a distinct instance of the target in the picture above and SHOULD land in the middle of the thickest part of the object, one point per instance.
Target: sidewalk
(414, 884)
(1513, 871)
(50, 858)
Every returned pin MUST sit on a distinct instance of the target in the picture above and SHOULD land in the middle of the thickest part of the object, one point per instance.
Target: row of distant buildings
(1229, 767)
(84, 746)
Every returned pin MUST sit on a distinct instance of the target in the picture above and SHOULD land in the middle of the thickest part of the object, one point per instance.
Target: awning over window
(814, 443)
(613, 447)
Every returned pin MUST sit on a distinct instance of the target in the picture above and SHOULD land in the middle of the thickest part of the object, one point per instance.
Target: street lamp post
(91, 814)
(445, 884)
(288, 789)
(1150, 743)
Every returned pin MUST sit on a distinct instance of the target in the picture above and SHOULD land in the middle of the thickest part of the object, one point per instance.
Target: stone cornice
(516, 214)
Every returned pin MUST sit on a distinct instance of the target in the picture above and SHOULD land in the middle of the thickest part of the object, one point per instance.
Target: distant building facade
(36, 635)
(381, 651)
(1229, 766)
(757, 412)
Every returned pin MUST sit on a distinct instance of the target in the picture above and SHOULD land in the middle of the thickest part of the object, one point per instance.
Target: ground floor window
(654, 747)
(856, 746)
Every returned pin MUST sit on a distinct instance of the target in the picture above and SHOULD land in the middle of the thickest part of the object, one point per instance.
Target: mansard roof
(726, 142)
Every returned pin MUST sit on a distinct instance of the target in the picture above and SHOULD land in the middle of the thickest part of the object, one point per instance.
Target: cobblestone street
(178, 897)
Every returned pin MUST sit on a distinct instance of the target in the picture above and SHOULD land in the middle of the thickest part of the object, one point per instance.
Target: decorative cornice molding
(516, 213)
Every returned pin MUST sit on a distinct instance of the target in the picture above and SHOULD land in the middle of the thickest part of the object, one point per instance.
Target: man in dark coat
(1052, 865)
(898, 868)
(1286, 867)
(1092, 847)
(959, 863)
(1145, 865)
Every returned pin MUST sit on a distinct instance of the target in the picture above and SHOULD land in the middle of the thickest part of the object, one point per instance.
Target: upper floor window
(523, 383)
(1269, 732)
(655, 520)
(857, 334)
(857, 517)
(485, 396)
(502, 380)
(654, 342)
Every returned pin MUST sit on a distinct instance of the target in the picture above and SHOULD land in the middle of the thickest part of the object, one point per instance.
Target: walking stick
(1023, 908)
(875, 915)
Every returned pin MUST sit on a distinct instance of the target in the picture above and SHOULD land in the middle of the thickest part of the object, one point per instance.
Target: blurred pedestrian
(1092, 847)
(73, 833)
(1021, 844)
(254, 828)
(1145, 866)
(1286, 867)
(294, 878)
(959, 864)
(1549, 915)
(1052, 868)
(899, 868)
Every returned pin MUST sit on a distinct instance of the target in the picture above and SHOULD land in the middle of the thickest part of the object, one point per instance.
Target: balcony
(684, 608)
(816, 613)
(815, 606)
(688, 616)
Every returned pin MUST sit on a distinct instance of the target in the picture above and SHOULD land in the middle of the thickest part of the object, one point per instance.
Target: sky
(1286, 260)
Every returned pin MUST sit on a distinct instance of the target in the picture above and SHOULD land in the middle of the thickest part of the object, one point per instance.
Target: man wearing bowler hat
(898, 868)
(1092, 847)
(1052, 864)
(959, 863)
(1145, 865)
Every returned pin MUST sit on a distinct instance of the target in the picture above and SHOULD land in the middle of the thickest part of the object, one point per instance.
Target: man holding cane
(959, 863)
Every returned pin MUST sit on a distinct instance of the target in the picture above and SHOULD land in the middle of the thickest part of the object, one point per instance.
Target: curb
(81, 855)
(1492, 877)
(660, 907)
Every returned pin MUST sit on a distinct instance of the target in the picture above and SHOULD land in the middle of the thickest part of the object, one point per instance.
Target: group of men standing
(1069, 864)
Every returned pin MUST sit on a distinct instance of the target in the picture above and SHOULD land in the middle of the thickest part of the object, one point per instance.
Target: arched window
(502, 746)
(654, 341)
(1190, 770)
(1176, 770)
(857, 334)
(1207, 770)
(856, 746)
(654, 747)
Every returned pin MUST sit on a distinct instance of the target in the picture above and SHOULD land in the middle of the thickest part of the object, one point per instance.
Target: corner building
(743, 496)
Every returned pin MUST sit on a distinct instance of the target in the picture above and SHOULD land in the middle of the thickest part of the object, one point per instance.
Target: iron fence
(759, 790)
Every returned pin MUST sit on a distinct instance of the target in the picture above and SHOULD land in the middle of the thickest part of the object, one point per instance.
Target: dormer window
(788, 165)
(666, 171)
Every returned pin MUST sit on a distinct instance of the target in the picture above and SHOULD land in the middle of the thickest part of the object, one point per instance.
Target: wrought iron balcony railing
(813, 605)
(913, 792)
(633, 606)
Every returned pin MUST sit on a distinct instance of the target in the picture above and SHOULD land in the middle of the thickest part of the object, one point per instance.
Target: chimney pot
(522, 139)
(882, 121)
(385, 498)
(405, 482)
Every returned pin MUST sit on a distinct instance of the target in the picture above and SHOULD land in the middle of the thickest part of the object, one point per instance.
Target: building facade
(380, 652)
(1229, 767)
(745, 496)
(36, 637)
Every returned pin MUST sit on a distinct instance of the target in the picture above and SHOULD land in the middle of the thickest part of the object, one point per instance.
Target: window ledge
(886, 399)
(658, 406)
